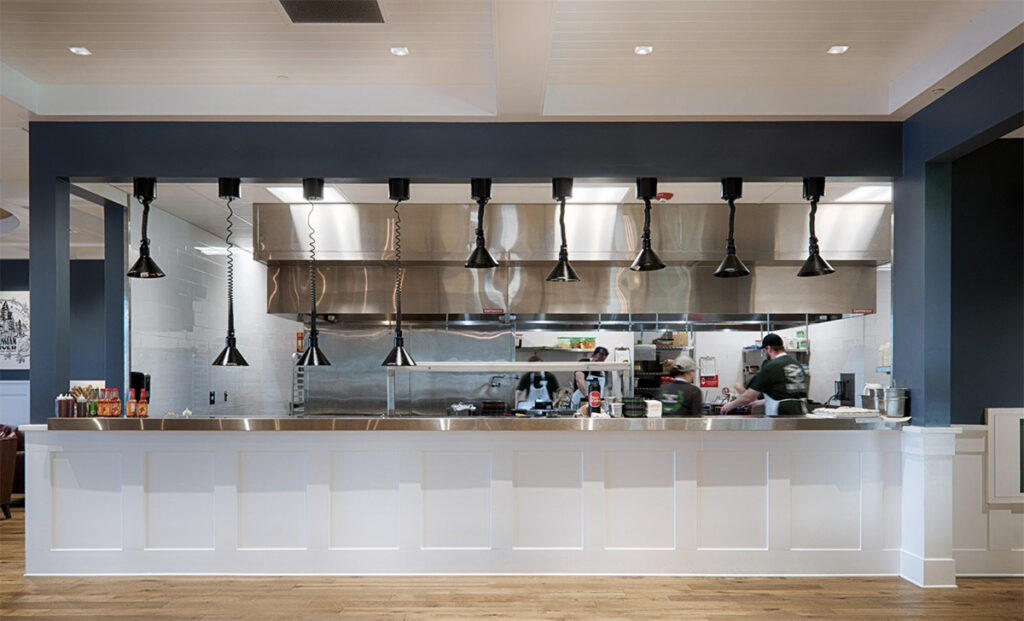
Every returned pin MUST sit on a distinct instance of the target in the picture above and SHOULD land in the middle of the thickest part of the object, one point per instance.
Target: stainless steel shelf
(476, 423)
(478, 366)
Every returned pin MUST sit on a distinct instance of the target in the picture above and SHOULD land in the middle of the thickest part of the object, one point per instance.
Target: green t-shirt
(681, 398)
(782, 378)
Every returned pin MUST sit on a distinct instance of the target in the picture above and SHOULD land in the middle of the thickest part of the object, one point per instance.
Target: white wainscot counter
(463, 502)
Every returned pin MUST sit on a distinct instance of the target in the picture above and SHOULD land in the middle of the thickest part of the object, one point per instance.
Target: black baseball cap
(771, 340)
(600, 350)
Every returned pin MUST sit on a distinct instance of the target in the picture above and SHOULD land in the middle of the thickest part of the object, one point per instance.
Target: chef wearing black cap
(782, 380)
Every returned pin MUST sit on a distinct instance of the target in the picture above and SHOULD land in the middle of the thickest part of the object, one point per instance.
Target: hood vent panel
(333, 11)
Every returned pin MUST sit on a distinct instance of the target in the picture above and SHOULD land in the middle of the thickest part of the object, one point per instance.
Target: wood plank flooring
(465, 598)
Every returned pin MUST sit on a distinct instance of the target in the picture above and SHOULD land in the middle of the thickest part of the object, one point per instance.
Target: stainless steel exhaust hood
(355, 241)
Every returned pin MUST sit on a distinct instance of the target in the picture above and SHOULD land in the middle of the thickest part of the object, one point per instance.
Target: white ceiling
(510, 59)
(476, 60)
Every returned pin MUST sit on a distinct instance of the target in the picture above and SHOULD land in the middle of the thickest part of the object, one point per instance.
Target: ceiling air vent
(333, 11)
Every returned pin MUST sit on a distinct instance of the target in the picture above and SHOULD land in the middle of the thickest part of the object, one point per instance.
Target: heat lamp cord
(231, 256)
(312, 257)
(398, 264)
(814, 240)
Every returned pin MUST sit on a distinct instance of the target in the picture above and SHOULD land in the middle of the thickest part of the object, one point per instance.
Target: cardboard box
(680, 339)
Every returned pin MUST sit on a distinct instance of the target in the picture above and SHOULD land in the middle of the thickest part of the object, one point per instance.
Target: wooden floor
(300, 598)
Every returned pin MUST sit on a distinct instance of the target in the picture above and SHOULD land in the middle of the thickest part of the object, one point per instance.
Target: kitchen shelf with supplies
(650, 365)
(502, 366)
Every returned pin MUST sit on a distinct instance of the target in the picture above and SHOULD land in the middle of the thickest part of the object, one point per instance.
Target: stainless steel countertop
(474, 423)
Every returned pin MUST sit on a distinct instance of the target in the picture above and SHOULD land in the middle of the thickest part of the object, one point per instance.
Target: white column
(926, 557)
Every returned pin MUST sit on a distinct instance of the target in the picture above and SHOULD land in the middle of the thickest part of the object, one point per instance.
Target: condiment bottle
(133, 406)
(93, 407)
(81, 407)
(103, 404)
(143, 405)
(115, 402)
(594, 398)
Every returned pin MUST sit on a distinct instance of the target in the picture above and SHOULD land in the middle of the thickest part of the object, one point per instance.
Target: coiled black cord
(231, 257)
(312, 258)
(398, 266)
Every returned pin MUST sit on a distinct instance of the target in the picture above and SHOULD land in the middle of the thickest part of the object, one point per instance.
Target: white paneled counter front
(463, 502)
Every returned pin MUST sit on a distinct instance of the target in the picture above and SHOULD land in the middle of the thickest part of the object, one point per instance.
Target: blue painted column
(115, 303)
(49, 286)
(983, 108)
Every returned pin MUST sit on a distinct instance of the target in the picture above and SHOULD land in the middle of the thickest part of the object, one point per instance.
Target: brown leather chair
(8, 463)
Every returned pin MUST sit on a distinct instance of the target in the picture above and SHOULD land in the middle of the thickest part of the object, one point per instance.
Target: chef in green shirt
(782, 380)
(680, 397)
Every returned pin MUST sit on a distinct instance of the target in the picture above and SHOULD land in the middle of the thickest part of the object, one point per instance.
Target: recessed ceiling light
(293, 194)
(868, 194)
(400, 51)
(643, 50)
(598, 194)
(80, 51)
(838, 49)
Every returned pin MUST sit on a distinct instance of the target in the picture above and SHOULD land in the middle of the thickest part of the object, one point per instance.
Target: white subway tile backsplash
(179, 323)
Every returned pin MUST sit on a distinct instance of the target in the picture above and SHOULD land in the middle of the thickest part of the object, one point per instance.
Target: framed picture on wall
(14, 330)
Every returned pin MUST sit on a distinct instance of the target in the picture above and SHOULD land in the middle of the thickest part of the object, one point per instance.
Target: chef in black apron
(535, 387)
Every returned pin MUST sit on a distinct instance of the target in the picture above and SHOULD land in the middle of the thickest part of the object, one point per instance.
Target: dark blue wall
(987, 322)
(87, 329)
(978, 111)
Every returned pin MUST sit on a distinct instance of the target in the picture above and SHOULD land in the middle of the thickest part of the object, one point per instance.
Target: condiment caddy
(102, 403)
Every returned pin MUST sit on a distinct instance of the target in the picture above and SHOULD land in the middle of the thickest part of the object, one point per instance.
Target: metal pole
(391, 393)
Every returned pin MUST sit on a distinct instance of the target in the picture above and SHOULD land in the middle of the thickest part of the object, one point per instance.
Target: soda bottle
(594, 395)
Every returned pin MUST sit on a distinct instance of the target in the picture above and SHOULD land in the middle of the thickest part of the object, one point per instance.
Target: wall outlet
(213, 397)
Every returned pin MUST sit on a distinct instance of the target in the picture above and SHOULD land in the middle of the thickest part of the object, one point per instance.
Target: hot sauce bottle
(133, 405)
(115, 403)
(143, 405)
(103, 404)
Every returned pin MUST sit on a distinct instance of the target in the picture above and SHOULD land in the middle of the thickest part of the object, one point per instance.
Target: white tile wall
(178, 324)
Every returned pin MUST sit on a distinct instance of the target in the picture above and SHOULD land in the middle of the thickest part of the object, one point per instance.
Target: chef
(679, 397)
(535, 387)
(782, 380)
(582, 379)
